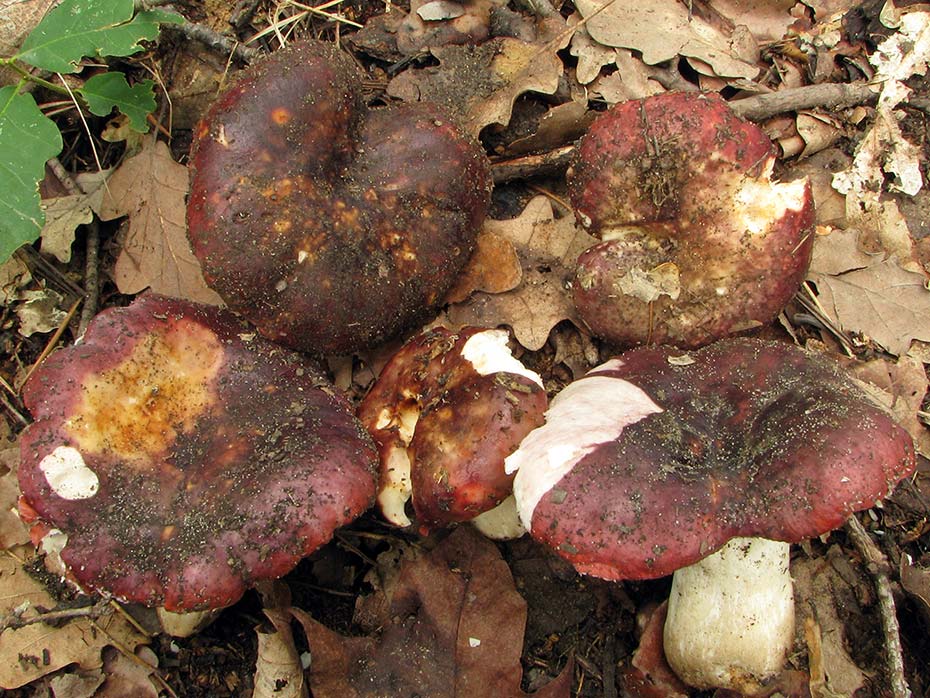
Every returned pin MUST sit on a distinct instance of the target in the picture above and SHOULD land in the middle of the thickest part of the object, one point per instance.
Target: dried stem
(878, 567)
(15, 620)
(827, 95)
(216, 41)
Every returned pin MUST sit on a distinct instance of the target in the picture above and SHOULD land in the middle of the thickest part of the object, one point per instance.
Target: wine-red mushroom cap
(698, 241)
(185, 459)
(445, 411)
(329, 226)
(657, 458)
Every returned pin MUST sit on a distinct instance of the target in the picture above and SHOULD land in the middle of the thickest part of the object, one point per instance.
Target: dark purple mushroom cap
(657, 458)
(329, 226)
(186, 459)
(698, 241)
(445, 411)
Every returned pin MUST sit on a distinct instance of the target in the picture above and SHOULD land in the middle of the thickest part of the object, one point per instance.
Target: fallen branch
(215, 41)
(15, 619)
(757, 108)
(878, 567)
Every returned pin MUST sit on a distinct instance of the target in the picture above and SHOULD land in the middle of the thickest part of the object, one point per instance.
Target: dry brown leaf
(559, 126)
(494, 267)
(900, 387)
(63, 214)
(76, 684)
(13, 531)
(829, 205)
(817, 584)
(14, 275)
(768, 20)
(548, 248)
(916, 582)
(632, 80)
(481, 83)
(883, 301)
(633, 25)
(33, 651)
(129, 676)
(150, 188)
(591, 55)
(454, 627)
(40, 311)
(278, 671)
(433, 23)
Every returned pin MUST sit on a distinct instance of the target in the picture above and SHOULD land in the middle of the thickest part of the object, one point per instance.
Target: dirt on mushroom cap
(698, 241)
(330, 227)
(753, 439)
(222, 459)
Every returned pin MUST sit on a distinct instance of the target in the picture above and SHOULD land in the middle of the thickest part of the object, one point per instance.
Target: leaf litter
(865, 272)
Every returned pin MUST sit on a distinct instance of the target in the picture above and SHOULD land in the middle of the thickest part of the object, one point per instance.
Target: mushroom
(329, 226)
(444, 412)
(707, 464)
(182, 459)
(698, 241)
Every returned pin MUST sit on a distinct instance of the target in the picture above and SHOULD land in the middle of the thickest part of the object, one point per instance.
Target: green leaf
(107, 90)
(27, 140)
(79, 28)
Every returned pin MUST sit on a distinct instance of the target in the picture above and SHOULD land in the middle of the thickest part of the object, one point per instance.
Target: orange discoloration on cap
(137, 408)
(281, 115)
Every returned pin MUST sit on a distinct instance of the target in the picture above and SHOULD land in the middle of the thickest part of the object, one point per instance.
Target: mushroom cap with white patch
(698, 240)
(445, 411)
(656, 459)
(185, 459)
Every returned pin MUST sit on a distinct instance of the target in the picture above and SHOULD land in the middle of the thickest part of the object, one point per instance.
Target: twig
(526, 166)
(243, 13)
(878, 567)
(50, 346)
(14, 619)
(829, 95)
(11, 408)
(215, 41)
(91, 275)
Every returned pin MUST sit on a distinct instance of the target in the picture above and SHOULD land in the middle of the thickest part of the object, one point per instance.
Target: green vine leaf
(107, 90)
(27, 140)
(79, 28)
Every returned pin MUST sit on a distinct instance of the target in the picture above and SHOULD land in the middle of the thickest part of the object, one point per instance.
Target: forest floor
(865, 303)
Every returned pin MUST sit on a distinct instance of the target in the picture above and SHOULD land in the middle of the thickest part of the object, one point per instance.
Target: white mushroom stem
(502, 522)
(731, 616)
(187, 623)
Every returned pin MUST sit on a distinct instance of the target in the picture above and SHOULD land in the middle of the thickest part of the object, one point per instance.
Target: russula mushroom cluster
(706, 464)
(329, 226)
(445, 411)
(698, 242)
(184, 458)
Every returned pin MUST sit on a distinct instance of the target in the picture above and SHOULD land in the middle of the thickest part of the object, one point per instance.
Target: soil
(570, 616)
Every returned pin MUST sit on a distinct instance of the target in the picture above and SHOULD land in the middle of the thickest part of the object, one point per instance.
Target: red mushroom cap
(657, 458)
(698, 241)
(185, 459)
(328, 226)
(448, 407)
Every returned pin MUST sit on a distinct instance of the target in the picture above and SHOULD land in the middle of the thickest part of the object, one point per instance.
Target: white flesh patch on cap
(396, 486)
(488, 352)
(67, 475)
(588, 413)
(760, 202)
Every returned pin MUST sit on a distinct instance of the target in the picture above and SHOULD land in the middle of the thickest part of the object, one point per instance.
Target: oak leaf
(150, 188)
(548, 248)
(453, 627)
